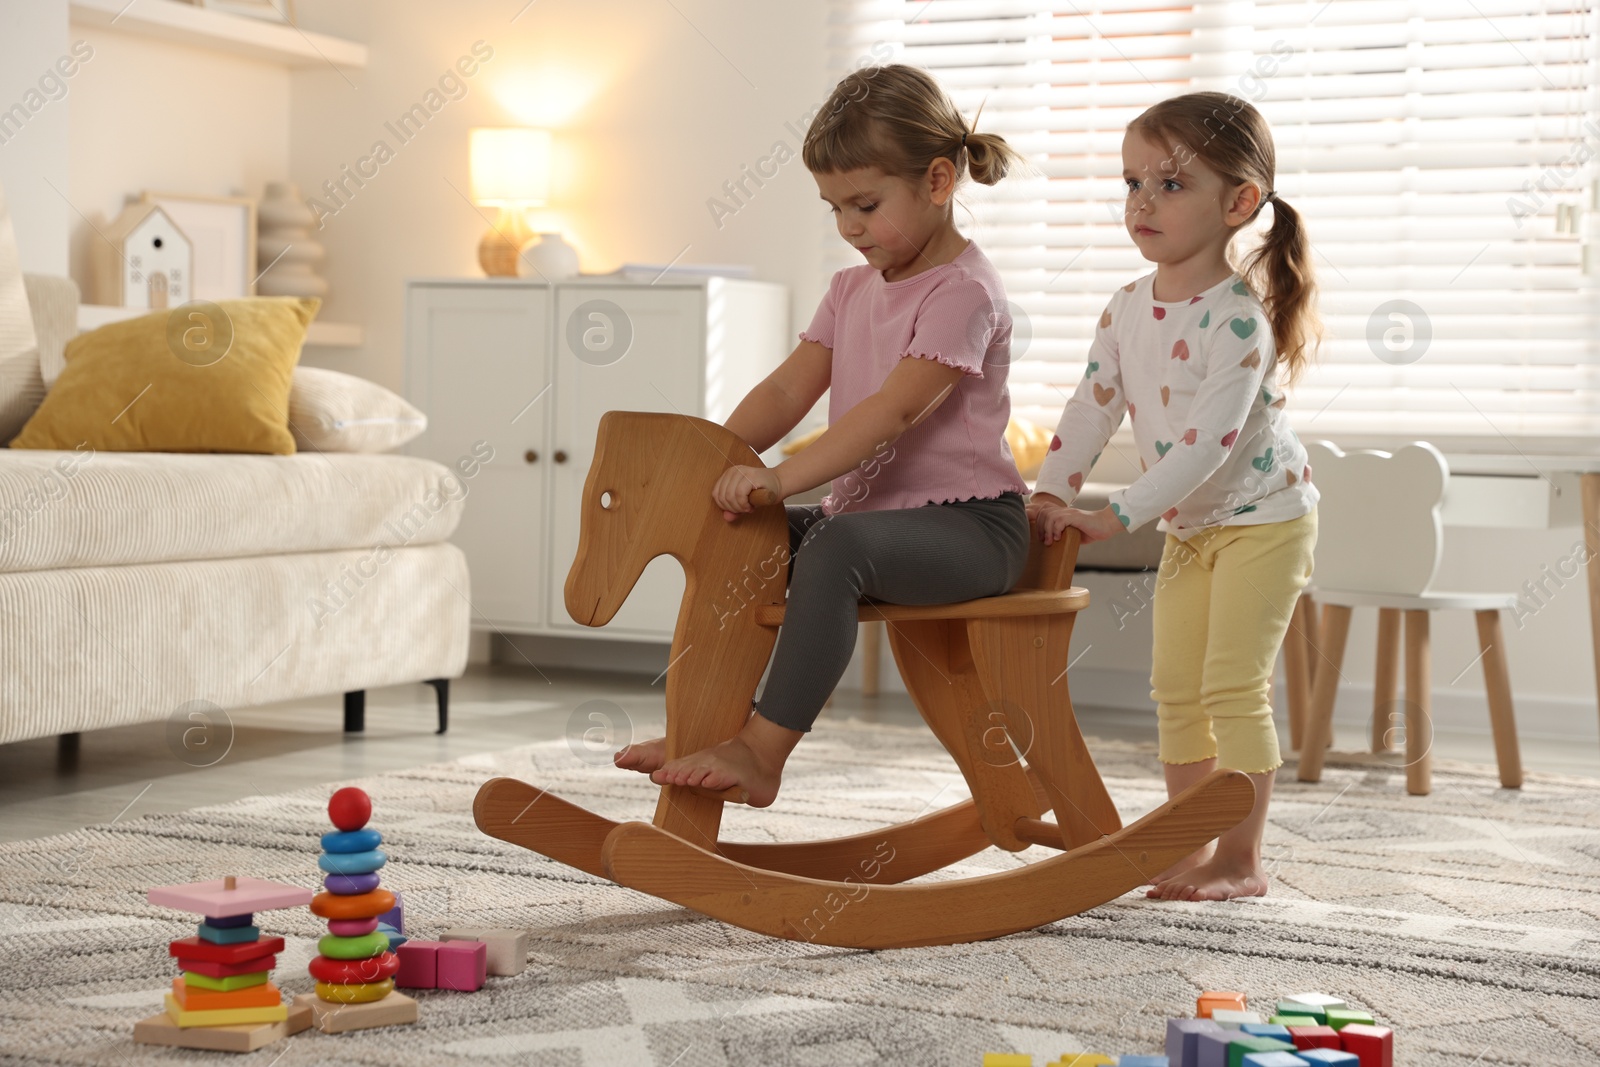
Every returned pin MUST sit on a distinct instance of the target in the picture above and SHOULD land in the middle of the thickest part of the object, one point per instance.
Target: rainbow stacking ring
(349, 885)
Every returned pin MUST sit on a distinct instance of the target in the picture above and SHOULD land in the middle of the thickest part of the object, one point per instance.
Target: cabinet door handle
(561, 457)
(530, 456)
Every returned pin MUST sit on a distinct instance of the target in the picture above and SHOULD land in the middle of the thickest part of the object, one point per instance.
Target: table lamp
(511, 171)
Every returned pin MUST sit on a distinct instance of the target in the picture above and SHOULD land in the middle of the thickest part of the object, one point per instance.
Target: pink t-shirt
(955, 313)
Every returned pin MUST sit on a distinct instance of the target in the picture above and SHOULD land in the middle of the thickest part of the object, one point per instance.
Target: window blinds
(1441, 153)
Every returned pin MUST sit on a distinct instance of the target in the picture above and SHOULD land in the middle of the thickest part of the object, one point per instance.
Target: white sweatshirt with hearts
(1197, 380)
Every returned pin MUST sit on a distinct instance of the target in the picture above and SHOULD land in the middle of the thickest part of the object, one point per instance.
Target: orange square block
(197, 999)
(1206, 1003)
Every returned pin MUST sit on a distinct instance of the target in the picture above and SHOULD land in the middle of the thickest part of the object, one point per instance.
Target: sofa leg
(442, 687)
(355, 711)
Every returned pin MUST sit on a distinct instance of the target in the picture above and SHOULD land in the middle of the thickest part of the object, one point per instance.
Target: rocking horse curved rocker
(987, 676)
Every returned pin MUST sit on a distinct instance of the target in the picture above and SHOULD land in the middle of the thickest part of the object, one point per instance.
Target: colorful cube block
(1229, 1019)
(1293, 1020)
(419, 965)
(462, 965)
(508, 949)
(1246, 1044)
(1305, 1037)
(1328, 1057)
(1211, 1047)
(1339, 1018)
(1083, 1059)
(1183, 1039)
(228, 935)
(1267, 1030)
(1274, 1059)
(1372, 1045)
(1007, 1059)
(1142, 1061)
(1205, 1003)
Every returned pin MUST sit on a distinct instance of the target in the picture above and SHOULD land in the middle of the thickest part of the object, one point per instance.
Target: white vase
(549, 257)
(285, 250)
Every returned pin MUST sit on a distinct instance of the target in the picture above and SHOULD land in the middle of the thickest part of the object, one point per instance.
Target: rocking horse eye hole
(606, 500)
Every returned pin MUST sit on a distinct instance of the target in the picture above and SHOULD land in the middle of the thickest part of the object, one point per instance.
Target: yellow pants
(1222, 605)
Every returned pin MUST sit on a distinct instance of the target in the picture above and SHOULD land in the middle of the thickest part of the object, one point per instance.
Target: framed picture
(270, 10)
(222, 230)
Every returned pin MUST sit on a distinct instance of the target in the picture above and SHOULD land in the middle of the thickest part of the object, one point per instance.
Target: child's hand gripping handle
(763, 497)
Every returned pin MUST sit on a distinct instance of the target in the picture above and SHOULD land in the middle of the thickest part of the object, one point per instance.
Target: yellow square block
(1084, 1059)
(1007, 1059)
(225, 1017)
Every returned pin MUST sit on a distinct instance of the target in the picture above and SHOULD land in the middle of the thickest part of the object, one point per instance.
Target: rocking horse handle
(763, 497)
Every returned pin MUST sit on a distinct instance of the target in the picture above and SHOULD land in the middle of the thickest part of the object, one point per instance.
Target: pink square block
(462, 965)
(419, 965)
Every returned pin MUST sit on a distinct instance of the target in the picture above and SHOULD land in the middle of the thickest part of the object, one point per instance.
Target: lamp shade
(510, 166)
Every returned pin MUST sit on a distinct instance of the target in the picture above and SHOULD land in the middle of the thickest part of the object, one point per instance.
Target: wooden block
(1083, 1059)
(396, 1009)
(194, 948)
(1339, 1018)
(1007, 1059)
(1372, 1045)
(229, 1017)
(1211, 1047)
(1293, 1020)
(299, 1018)
(1245, 1045)
(1329, 1057)
(214, 969)
(1143, 1061)
(1234, 1020)
(1205, 1003)
(160, 1029)
(1273, 1059)
(419, 965)
(507, 949)
(1183, 1039)
(1273, 1030)
(195, 980)
(1305, 1037)
(197, 999)
(1316, 1012)
(212, 898)
(462, 965)
(1317, 1000)
(230, 935)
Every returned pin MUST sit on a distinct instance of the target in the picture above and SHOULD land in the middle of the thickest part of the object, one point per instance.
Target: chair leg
(1296, 678)
(1386, 677)
(355, 711)
(1319, 730)
(1419, 706)
(1497, 683)
(441, 686)
(871, 655)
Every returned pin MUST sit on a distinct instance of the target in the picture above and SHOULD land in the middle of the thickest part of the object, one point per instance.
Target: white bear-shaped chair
(1379, 539)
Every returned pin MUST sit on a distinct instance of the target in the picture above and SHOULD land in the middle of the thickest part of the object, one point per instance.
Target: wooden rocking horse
(987, 675)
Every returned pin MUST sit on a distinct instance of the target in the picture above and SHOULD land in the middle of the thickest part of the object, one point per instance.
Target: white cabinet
(526, 370)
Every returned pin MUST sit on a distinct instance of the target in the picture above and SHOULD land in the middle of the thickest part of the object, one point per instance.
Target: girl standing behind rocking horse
(926, 504)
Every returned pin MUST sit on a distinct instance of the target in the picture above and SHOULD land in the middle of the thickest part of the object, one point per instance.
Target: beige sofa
(142, 586)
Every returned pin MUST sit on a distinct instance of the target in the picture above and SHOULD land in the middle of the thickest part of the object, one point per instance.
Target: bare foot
(643, 756)
(1194, 859)
(732, 764)
(1223, 877)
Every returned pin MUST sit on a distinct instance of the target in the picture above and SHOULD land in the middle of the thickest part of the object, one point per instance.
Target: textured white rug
(1468, 920)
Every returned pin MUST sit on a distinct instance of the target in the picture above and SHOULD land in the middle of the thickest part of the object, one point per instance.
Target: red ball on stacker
(350, 808)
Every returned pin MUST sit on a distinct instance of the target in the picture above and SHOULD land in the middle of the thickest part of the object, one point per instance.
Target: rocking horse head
(648, 493)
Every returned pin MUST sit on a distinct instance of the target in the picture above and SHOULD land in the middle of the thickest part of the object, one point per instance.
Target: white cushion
(334, 412)
(82, 509)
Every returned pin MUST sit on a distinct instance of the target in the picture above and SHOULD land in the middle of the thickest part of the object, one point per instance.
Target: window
(1441, 152)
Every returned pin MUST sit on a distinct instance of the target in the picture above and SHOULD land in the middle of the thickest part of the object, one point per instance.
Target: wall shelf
(330, 334)
(170, 20)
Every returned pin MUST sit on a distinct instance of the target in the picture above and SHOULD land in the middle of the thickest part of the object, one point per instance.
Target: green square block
(1293, 1020)
(1244, 1046)
(1310, 1011)
(228, 984)
(1339, 1018)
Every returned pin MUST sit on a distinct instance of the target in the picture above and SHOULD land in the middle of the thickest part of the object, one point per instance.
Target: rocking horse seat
(1024, 603)
(988, 676)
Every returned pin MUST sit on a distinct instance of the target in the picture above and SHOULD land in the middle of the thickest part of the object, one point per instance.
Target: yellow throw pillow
(197, 378)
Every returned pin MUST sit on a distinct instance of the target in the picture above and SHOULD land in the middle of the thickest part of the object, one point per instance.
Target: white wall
(149, 114)
(33, 141)
(652, 111)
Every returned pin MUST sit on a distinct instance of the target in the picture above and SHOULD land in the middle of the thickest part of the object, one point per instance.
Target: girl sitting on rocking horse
(926, 504)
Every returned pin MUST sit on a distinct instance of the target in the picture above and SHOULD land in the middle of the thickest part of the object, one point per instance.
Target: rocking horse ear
(1050, 566)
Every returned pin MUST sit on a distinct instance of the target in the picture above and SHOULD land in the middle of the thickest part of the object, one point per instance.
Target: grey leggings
(935, 554)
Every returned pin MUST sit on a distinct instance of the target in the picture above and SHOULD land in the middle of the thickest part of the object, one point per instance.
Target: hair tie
(963, 138)
(1273, 195)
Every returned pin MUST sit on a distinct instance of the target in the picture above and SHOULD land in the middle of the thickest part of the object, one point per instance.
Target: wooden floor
(130, 771)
